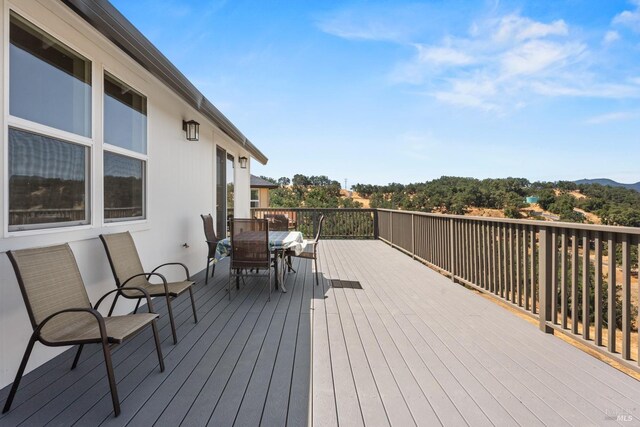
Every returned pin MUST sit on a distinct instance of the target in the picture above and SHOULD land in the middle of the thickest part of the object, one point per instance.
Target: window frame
(12, 9)
(144, 157)
(47, 131)
(251, 199)
(87, 189)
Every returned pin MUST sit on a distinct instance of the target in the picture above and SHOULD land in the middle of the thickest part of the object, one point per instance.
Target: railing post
(413, 236)
(545, 277)
(376, 233)
(452, 249)
(391, 228)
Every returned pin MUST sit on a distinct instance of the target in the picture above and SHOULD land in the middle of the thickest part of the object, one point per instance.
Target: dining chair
(313, 246)
(249, 250)
(61, 314)
(278, 222)
(212, 242)
(127, 271)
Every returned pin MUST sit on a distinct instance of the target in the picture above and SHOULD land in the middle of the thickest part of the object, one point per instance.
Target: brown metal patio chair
(313, 246)
(212, 242)
(278, 222)
(249, 249)
(61, 313)
(127, 272)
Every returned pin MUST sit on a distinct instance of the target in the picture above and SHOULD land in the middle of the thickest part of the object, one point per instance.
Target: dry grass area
(486, 212)
(576, 194)
(358, 198)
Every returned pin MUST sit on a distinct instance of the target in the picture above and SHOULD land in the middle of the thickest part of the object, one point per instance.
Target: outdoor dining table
(279, 243)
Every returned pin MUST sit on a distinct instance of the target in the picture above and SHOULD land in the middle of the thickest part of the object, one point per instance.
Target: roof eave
(105, 18)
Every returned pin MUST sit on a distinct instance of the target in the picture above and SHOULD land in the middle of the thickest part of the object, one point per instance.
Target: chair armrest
(186, 270)
(95, 313)
(121, 291)
(148, 275)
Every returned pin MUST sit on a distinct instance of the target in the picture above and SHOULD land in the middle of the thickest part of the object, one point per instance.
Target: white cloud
(373, 22)
(514, 27)
(538, 55)
(629, 18)
(612, 117)
(504, 62)
(372, 31)
(498, 65)
(610, 37)
(443, 55)
(501, 62)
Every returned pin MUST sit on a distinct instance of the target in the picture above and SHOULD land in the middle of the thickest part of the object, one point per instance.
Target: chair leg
(173, 323)
(113, 304)
(77, 358)
(315, 263)
(112, 381)
(213, 270)
(137, 306)
(193, 306)
(229, 282)
(206, 276)
(269, 284)
(275, 268)
(21, 369)
(154, 327)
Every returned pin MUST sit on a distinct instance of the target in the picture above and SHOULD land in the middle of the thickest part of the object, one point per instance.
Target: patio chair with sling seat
(128, 272)
(61, 313)
(250, 249)
(313, 246)
(212, 241)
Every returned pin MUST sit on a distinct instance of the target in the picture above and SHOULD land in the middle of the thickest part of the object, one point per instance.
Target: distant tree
(283, 181)
(512, 212)
(322, 197)
(284, 197)
(300, 180)
(546, 197)
(348, 202)
(567, 185)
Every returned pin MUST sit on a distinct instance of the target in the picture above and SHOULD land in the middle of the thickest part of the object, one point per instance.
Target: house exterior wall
(264, 197)
(180, 181)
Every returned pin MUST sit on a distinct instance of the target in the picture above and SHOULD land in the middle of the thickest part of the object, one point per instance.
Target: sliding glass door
(225, 165)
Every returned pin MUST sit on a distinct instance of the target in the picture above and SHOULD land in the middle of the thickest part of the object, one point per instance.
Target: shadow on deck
(409, 348)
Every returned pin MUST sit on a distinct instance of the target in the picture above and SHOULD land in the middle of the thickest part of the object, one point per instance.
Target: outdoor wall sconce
(243, 162)
(192, 129)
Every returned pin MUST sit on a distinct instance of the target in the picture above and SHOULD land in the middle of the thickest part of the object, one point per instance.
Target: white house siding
(180, 181)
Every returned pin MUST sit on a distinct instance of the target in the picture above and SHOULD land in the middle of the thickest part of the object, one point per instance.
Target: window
(125, 116)
(125, 129)
(255, 198)
(49, 83)
(123, 188)
(48, 181)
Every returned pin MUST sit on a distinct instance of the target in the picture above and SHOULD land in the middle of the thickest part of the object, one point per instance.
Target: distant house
(260, 192)
(94, 122)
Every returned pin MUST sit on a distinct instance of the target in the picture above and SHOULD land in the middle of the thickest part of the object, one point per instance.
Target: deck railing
(574, 278)
(339, 223)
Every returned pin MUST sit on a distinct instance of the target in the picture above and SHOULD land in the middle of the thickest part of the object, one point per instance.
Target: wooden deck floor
(409, 348)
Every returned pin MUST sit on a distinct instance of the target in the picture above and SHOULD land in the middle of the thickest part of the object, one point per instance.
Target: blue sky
(396, 91)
